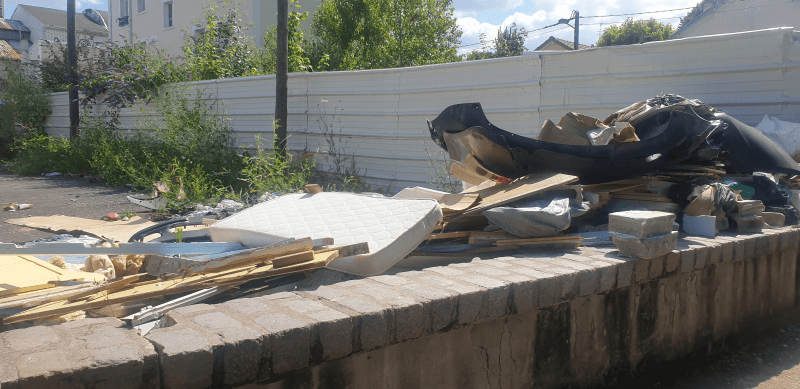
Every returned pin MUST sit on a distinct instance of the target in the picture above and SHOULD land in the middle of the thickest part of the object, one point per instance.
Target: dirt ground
(769, 360)
(60, 195)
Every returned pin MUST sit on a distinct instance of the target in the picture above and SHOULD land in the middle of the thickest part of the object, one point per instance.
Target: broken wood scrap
(227, 261)
(292, 259)
(488, 238)
(567, 241)
(158, 288)
(449, 235)
(110, 287)
(346, 250)
(520, 188)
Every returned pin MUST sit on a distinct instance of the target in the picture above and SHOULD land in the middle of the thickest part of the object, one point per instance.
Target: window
(123, 8)
(168, 14)
(140, 6)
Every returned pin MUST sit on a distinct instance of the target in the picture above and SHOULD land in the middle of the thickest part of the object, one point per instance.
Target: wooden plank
(449, 235)
(136, 292)
(347, 250)
(293, 259)
(33, 299)
(520, 188)
(489, 237)
(109, 288)
(249, 257)
(538, 241)
(25, 289)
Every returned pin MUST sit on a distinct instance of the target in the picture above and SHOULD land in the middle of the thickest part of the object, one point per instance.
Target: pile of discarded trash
(632, 180)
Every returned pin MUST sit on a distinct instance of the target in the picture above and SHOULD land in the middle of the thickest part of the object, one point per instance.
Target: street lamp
(576, 16)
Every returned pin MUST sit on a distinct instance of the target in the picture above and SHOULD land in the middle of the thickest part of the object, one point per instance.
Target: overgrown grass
(185, 139)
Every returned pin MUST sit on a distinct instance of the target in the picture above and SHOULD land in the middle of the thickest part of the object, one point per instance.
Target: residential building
(14, 41)
(50, 24)
(712, 17)
(166, 23)
(557, 44)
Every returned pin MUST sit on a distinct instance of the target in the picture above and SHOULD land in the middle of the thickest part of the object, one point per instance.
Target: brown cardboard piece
(118, 230)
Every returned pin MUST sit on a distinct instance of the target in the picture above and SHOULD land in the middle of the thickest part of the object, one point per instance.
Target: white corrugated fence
(381, 114)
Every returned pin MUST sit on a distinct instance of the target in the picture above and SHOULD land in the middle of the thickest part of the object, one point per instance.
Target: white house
(166, 22)
(50, 25)
(712, 17)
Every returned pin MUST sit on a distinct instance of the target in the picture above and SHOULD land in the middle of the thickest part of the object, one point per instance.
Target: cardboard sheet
(119, 230)
(23, 273)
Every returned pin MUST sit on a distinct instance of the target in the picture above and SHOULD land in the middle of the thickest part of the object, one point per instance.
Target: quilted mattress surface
(392, 227)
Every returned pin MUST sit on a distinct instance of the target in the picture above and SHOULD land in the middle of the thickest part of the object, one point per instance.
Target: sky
(476, 17)
(486, 16)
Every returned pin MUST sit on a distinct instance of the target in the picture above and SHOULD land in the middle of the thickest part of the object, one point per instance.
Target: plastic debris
(535, 219)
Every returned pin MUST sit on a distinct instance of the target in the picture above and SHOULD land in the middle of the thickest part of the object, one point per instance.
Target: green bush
(41, 154)
(24, 104)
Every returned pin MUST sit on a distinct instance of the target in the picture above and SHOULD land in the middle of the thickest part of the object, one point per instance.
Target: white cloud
(535, 15)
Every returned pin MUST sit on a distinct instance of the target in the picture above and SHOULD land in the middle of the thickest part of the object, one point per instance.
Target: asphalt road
(769, 360)
(61, 195)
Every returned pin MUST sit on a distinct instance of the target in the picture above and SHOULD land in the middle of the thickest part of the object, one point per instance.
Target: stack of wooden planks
(227, 270)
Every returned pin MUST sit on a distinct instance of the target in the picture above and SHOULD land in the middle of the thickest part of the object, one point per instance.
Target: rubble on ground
(636, 180)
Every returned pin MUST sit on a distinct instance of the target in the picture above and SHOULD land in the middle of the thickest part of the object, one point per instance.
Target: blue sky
(480, 16)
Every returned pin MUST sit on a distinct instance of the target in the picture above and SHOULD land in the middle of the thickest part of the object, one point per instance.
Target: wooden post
(282, 78)
(72, 52)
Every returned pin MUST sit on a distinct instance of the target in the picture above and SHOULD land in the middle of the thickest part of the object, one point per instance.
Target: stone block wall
(536, 319)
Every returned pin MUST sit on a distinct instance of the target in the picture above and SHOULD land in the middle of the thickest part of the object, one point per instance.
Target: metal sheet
(124, 249)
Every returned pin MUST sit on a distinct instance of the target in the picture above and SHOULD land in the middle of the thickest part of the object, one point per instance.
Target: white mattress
(392, 227)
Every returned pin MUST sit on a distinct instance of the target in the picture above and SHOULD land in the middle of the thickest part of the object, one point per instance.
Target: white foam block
(700, 225)
(391, 227)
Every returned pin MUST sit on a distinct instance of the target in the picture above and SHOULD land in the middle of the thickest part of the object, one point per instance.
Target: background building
(165, 23)
(722, 17)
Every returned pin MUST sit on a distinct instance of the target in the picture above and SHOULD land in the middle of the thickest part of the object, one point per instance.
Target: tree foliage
(24, 103)
(222, 48)
(375, 34)
(635, 31)
(298, 58)
(509, 42)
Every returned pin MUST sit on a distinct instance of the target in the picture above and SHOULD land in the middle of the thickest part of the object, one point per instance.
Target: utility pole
(577, 28)
(577, 17)
(282, 78)
(72, 53)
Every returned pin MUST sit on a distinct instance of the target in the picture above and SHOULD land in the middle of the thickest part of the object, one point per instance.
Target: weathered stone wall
(538, 319)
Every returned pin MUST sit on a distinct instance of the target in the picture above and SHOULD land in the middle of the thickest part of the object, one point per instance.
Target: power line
(636, 13)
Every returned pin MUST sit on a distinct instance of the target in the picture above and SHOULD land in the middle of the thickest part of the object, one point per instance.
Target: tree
(508, 43)
(376, 34)
(298, 58)
(631, 32)
(222, 49)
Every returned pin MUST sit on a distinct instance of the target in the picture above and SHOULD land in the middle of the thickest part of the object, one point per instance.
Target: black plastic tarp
(672, 130)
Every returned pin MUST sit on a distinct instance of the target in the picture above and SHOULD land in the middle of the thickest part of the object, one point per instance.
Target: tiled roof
(57, 17)
(14, 25)
(8, 51)
(561, 42)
